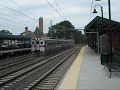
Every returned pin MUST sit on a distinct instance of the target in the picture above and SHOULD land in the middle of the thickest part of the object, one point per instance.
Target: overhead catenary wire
(19, 12)
(21, 23)
(59, 8)
(9, 26)
(55, 9)
(13, 27)
(13, 24)
(21, 7)
(16, 18)
(16, 3)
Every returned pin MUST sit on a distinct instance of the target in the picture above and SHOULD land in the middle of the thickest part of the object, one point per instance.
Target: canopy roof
(13, 37)
(95, 25)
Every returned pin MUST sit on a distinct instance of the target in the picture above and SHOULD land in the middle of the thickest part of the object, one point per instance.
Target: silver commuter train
(50, 45)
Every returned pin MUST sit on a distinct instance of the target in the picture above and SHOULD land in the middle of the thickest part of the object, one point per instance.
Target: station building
(97, 33)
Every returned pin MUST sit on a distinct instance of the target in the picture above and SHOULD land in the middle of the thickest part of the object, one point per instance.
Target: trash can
(104, 58)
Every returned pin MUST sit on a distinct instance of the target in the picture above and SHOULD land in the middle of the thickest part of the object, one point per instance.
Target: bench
(115, 65)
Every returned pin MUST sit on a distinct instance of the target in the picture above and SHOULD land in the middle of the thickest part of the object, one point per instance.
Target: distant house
(36, 34)
(28, 33)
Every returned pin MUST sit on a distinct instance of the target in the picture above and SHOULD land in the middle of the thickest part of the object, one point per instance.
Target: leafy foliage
(61, 30)
(5, 32)
(66, 30)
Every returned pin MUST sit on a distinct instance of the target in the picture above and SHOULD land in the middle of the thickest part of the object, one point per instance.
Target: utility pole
(51, 29)
(110, 30)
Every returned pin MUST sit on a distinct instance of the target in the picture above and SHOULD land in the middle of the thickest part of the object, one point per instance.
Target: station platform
(87, 73)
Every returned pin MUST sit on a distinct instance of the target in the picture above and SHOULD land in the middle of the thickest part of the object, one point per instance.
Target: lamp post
(95, 11)
(110, 33)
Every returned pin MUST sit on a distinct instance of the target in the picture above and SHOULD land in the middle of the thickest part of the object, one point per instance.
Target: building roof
(96, 23)
(28, 34)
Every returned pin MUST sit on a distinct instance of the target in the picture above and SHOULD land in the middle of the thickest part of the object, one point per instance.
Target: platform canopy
(96, 25)
(13, 37)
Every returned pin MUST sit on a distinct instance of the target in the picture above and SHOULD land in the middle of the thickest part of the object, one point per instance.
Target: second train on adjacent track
(50, 45)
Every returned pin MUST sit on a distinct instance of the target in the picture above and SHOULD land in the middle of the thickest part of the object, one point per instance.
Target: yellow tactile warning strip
(71, 78)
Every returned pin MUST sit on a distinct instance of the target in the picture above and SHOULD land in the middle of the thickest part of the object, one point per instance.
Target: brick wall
(116, 40)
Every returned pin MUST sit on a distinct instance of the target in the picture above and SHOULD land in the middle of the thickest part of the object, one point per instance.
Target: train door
(37, 48)
(42, 45)
(33, 44)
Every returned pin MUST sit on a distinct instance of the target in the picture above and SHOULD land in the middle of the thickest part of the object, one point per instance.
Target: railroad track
(20, 63)
(9, 60)
(10, 68)
(30, 75)
(17, 60)
(9, 63)
(51, 80)
(5, 71)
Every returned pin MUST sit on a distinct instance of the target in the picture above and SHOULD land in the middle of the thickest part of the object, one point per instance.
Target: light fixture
(97, 0)
(95, 11)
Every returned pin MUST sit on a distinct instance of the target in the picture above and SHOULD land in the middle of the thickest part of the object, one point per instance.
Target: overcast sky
(14, 17)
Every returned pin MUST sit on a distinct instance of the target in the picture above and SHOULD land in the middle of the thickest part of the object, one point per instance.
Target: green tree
(5, 32)
(61, 30)
(66, 30)
(66, 24)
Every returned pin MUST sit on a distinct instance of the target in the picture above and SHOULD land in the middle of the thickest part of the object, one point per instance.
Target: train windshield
(37, 42)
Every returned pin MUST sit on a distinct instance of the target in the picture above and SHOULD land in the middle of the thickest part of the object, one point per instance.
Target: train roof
(54, 39)
(61, 39)
(13, 37)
